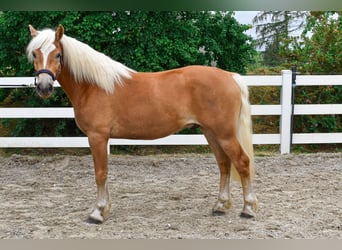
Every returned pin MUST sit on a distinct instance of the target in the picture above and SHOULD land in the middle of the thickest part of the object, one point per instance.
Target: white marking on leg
(102, 196)
(224, 200)
(102, 205)
(250, 200)
(225, 194)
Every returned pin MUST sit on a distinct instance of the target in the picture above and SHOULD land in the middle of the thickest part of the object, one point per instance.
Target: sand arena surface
(169, 196)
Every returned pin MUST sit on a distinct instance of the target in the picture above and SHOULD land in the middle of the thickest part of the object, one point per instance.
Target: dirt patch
(169, 196)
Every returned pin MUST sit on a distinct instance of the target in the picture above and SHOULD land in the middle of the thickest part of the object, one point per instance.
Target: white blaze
(46, 51)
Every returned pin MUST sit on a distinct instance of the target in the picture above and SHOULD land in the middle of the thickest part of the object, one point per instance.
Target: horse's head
(45, 52)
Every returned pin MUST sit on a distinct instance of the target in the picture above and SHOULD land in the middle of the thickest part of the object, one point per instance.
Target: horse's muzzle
(44, 85)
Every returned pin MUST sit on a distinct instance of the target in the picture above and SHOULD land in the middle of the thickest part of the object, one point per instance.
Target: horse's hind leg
(241, 162)
(98, 145)
(223, 202)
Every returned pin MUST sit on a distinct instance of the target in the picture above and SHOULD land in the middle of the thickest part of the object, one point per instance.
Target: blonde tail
(245, 124)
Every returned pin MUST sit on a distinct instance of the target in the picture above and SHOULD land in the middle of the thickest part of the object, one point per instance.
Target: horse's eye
(34, 55)
(58, 56)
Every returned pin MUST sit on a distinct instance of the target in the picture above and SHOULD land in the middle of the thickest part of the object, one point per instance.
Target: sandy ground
(169, 196)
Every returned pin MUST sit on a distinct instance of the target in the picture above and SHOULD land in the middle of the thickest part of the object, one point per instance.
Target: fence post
(286, 112)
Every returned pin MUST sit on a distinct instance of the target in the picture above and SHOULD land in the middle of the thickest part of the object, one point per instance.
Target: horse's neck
(71, 88)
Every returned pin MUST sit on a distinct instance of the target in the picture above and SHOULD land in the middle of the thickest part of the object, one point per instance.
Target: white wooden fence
(284, 109)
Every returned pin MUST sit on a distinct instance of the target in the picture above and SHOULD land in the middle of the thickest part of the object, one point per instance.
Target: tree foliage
(316, 50)
(319, 48)
(273, 27)
(142, 40)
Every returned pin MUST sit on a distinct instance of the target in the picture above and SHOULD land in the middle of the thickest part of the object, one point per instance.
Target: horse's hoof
(247, 212)
(221, 208)
(91, 220)
(249, 209)
(247, 215)
(218, 213)
(95, 217)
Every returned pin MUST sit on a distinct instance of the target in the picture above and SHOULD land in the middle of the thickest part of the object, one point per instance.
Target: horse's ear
(59, 33)
(33, 31)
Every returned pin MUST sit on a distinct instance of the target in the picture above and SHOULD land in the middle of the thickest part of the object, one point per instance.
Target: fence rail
(285, 110)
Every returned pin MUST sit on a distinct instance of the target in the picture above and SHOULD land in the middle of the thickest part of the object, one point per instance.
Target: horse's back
(189, 78)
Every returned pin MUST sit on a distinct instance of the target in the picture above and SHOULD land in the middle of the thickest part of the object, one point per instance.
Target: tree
(142, 40)
(318, 53)
(273, 27)
(321, 51)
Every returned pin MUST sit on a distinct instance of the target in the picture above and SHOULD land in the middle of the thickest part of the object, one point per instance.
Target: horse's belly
(151, 128)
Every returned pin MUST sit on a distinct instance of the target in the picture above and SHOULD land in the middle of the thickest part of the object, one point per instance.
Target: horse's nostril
(44, 90)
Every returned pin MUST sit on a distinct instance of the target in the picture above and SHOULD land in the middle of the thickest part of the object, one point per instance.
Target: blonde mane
(84, 63)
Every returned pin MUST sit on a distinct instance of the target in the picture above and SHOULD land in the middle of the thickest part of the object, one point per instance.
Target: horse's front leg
(98, 146)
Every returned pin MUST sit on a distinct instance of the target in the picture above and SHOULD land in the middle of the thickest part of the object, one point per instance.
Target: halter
(45, 71)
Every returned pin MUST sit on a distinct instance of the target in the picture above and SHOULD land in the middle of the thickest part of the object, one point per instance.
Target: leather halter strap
(46, 71)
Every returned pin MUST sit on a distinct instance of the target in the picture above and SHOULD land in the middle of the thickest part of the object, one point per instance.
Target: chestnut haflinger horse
(112, 101)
